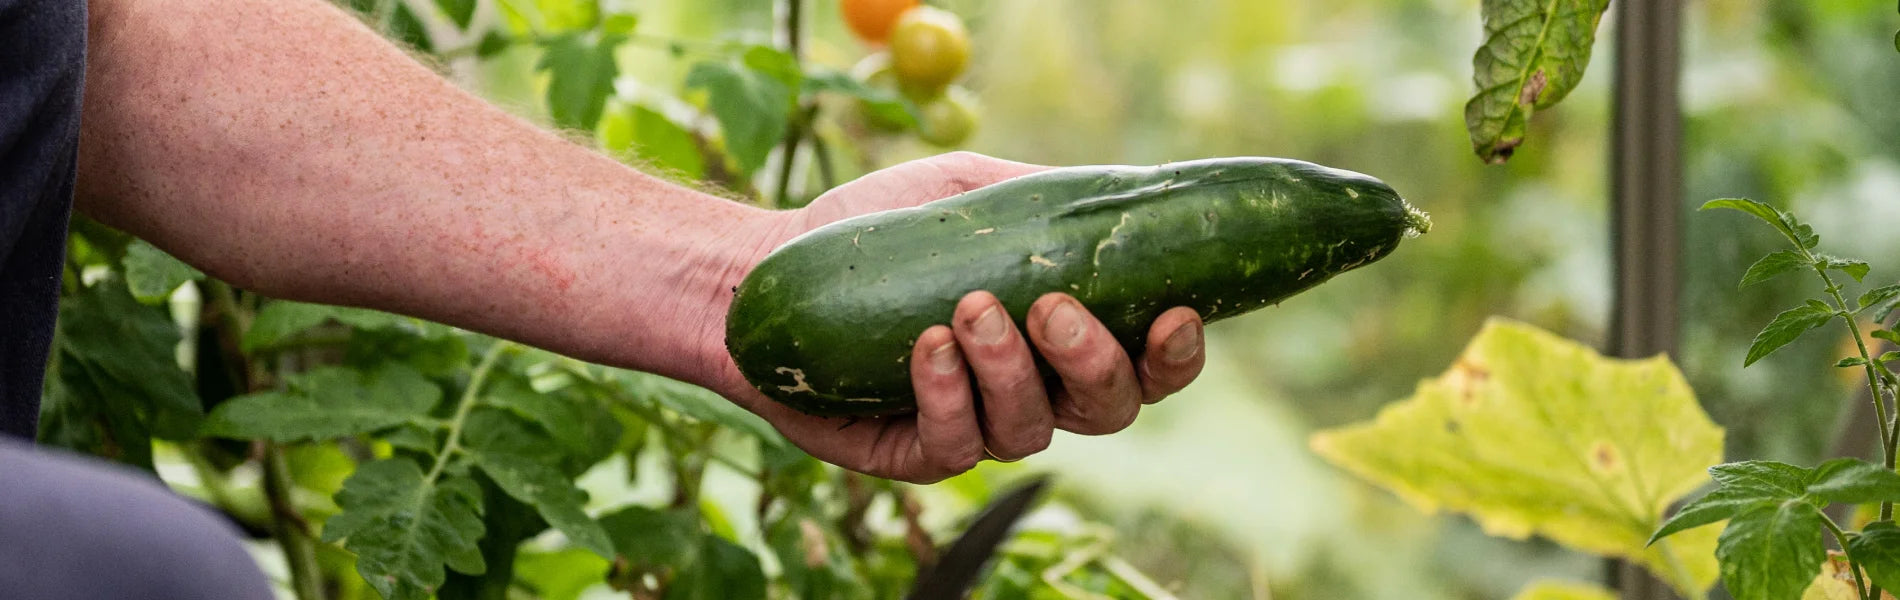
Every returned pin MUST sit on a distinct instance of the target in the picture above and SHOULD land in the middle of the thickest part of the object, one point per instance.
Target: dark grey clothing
(75, 528)
(42, 68)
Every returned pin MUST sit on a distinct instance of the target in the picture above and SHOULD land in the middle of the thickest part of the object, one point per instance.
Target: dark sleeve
(42, 71)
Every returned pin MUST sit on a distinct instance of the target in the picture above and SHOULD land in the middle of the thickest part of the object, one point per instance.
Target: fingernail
(944, 359)
(1064, 326)
(1184, 344)
(990, 327)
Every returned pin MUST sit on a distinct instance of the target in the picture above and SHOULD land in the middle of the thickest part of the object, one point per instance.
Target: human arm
(283, 146)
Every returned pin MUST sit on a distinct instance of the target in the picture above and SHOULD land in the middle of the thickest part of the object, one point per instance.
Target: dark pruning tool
(952, 577)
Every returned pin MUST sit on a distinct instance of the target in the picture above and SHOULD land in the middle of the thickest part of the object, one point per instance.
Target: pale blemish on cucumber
(798, 377)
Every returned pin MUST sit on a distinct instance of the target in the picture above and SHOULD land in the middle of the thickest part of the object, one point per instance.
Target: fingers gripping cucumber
(825, 324)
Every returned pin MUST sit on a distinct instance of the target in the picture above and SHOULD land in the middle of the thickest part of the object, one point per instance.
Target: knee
(78, 528)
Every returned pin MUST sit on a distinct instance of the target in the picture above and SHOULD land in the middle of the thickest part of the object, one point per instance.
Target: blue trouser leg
(79, 528)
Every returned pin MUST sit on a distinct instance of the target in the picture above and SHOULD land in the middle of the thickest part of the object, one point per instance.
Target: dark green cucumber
(825, 324)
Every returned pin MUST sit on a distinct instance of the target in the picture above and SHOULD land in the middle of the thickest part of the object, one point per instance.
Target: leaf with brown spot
(1534, 53)
(1553, 440)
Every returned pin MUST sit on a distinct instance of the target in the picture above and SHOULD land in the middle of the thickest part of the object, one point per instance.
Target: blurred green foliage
(1212, 494)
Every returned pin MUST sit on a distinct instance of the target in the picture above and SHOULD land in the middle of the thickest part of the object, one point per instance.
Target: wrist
(661, 303)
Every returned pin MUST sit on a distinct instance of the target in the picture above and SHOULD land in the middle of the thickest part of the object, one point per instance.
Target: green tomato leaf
(1851, 361)
(458, 11)
(885, 105)
(1888, 356)
(722, 570)
(752, 108)
(492, 43)
(1721, 504)
(1853, 268)
(1764, 478)
(1772, 552)
(152, 275)
(403, 529)
(1879, 295)
(1887, 334)
(776, 64)
(325, 403)
(581, 71)
(551, 494)
(651, 540)
(813, 561)
(1790, 227)
(1534, 53)
(1530, 433)
(696, 402)
(489, 430)
(127, 351)
(1775, 263)
(1854, 481)
(1877, 550)
(620, 23)
(1787, 326)
(556, 415)
(280, 321)
(1564, 590)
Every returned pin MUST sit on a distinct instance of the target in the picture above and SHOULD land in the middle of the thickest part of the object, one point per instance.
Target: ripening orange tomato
(872, 20)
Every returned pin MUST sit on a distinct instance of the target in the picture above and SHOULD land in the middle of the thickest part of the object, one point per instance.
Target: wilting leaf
(1534, 53)
(1530, 433)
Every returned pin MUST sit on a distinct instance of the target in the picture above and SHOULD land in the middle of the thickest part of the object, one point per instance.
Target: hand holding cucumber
(976, 383)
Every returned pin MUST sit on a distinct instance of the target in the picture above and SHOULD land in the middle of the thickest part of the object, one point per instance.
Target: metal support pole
(1646, 188)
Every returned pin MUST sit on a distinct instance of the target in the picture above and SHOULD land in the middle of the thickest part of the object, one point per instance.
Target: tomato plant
(394, 457)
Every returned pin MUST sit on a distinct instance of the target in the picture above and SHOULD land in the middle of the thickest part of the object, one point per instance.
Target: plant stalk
(1881, 416)
(291, 531)
(1860, 585)
(795, 130)
(453, 443)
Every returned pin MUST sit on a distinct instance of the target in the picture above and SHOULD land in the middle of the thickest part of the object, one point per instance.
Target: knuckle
(961, 461)
(1038, 442)
(1019, 383)
(1096, 375)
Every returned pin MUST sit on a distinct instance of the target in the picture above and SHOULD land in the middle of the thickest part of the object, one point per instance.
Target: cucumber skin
(825, 323)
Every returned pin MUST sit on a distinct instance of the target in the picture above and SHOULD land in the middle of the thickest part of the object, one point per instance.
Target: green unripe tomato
(929, 49)
(948, 119)
(875, 72)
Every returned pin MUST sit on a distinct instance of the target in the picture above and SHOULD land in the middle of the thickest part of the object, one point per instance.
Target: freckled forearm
(284, 146)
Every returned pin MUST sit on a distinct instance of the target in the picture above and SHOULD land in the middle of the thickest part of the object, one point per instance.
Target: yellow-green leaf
(1835, 582)
(1530, 433)
(1564, 590)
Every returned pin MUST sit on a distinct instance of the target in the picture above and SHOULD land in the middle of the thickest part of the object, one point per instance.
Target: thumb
(916, 182)
(965, 171)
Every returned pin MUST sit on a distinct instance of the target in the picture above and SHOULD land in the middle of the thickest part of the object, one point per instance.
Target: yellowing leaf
(1564, 590)
(1835, 582)
(1530, 433)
